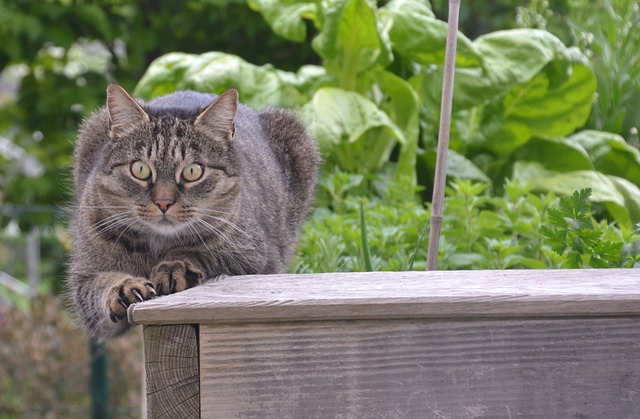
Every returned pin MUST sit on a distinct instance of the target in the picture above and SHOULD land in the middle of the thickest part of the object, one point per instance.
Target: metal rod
(440, 178)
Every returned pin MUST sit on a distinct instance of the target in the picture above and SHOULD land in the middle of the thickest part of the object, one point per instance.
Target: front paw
(174, 276)
(128, 291)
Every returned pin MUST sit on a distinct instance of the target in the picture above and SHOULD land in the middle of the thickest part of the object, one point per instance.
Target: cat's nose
(164, 196)
(163, 204)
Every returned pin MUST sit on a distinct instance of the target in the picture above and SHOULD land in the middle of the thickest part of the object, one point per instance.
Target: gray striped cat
(187, 187)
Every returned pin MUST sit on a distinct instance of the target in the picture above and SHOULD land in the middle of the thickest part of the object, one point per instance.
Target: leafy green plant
(479, 231)
(376, 217)
(377, 94)
(494, 232)
(514, 229)
(573, 233)
(607, 32)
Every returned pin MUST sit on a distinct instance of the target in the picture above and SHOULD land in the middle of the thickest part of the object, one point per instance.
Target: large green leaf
(548, 104)
(510, 58)
(620, 197)
(215, 72)
(336, 116)
(416, 34)
(350, 41)
(458, 166)
(557, 154)
(403, 107)
(286, 17)
(610, 154)
(339, 118)
(533, 85)
(598, 151)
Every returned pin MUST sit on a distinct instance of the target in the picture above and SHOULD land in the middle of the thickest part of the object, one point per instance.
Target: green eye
(192, 172)
(140, 170)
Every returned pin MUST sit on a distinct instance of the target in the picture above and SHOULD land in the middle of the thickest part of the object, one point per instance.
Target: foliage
(612, 41)
(366, 77)
(333, 239)
(605, 30)
(53, 75)
(604, 162)
(573, 233)
(377, 95)
(44, 365)
(481, 230)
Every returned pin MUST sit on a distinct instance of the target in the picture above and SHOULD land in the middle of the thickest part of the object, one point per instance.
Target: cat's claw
(175, 276)
(138, 296)
(127, 291)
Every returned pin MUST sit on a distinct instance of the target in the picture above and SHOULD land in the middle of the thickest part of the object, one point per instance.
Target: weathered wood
(171, 367)
(398, 344)
(383, 295)
(552, 368)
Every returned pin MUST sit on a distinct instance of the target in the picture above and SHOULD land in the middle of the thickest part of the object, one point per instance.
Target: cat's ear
(124, 112)
(220, 116)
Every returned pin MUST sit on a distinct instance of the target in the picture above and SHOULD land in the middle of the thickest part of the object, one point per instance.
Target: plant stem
(365, 242)
(443, 136)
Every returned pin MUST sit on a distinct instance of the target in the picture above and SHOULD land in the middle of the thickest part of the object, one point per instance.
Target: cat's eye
(192, 172)
(140, 170)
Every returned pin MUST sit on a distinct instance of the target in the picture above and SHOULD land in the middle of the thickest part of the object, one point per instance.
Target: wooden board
(171, 368)
(534, 368)
(382, 295)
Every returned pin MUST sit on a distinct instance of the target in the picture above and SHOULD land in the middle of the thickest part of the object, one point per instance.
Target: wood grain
(383, 295)
(171, 367)
(421, 368)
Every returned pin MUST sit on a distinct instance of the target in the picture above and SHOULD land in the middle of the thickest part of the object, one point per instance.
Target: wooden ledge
(383, 295)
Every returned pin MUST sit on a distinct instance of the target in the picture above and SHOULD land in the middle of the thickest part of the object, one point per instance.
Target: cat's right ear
(220, 116)
(124, 112)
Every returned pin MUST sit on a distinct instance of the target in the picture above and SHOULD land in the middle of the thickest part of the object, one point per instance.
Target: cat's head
(169, 171)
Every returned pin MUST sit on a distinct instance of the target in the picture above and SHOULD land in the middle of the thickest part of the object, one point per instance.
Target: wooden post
(440, 178)
(171, 366)
(536, 344)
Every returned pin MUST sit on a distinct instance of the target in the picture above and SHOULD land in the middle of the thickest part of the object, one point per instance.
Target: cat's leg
(172, 276)
(101, 300)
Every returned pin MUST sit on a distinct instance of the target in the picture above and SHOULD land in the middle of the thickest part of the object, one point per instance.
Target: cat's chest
(158, 249)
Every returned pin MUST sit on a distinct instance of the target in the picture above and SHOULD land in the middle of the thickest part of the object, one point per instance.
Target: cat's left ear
(124, 112)
(220, 116)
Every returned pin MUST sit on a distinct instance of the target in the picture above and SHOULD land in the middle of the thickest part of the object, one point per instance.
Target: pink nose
(163, 204)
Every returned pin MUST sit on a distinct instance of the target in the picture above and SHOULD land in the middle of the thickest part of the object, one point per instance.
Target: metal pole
(33, 259)
(440, 178)
(99, 383)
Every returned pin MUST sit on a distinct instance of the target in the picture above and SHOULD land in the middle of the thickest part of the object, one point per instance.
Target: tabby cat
(187, 187)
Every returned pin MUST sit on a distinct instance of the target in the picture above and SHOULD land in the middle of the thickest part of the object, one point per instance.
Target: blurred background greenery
(57, 57)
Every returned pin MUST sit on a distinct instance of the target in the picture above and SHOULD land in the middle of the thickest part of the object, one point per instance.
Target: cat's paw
(128, 291)
(174, 276)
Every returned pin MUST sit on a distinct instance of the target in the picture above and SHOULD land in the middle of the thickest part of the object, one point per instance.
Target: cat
(184, 188)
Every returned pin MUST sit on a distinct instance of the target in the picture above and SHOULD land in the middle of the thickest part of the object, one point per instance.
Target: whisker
(125, 229)
(109, 223)
(196, 234)
(230, 224)
(99, 206)
(225, 239)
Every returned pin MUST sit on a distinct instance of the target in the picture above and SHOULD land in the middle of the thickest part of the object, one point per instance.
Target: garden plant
(544, 167)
